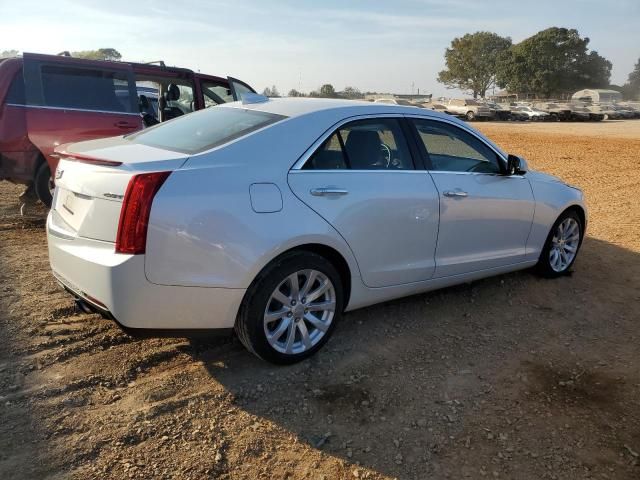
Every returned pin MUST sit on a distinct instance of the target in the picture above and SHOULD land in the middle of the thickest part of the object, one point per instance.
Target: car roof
(295, 107)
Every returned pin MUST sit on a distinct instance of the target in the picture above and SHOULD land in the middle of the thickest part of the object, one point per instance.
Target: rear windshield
(200, 131)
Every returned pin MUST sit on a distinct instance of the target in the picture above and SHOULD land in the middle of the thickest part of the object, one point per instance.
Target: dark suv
(49, 100)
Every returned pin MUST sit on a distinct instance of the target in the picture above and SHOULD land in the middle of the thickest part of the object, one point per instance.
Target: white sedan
(273, 217)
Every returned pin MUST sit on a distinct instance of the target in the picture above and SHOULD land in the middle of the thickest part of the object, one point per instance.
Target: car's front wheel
(561, 248)
(291, 309)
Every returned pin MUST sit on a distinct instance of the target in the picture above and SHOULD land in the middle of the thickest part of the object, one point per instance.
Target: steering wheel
(386, 151)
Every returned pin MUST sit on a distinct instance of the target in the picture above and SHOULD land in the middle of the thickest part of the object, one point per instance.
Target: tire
(470, 116)
(545, 265)
(251, 327)
(42, 183)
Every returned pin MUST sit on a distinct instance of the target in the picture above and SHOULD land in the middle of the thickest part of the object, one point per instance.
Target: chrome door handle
(322, 191)
(454, 193)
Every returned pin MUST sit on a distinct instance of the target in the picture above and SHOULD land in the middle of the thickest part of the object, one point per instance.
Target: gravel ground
(509, 377)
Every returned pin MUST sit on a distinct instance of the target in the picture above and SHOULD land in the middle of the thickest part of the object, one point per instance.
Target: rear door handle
(324, 191)
(455, 193)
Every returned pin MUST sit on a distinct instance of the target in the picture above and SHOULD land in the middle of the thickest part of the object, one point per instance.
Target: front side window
(86, 89)
(451, 149)
(373, 144)
(216, 93)
(204, 130)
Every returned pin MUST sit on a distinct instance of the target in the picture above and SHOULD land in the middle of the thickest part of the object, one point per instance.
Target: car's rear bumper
(116, 286)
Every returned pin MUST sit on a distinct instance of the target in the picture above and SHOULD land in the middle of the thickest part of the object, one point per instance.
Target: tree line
(550, 63)
(325, 91)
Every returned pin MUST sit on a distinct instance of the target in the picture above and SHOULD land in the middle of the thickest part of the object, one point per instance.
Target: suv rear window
(203, 130)
(85, 89)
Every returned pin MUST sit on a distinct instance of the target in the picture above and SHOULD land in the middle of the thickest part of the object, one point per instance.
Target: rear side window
(205, 129)
(373, 144)
(15, 95)
(86, 89)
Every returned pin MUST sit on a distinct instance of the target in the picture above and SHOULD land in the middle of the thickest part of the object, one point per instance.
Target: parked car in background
(626, 111)
(606, 111)
(49, 100)
(532, 113)
(275, 217)
(469, 109)
(499, 111)
(556, 111)
(581, 114)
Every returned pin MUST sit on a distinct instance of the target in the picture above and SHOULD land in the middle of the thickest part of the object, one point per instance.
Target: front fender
(552, 197)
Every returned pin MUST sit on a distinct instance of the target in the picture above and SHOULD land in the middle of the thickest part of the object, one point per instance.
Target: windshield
(204, 130)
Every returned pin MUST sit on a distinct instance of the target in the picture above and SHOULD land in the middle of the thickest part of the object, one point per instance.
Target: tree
(271, 92)
(327, 91)
(472, 62)
(9, 53)
(100, 54)
(632, 87)
(552, 62)
(295, 93)
(351, 92)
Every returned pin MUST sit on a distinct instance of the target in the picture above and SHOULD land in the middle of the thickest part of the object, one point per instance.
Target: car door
(361, 179)
(485, 215)
(70, 100)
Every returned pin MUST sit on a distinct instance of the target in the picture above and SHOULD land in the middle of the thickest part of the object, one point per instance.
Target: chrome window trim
(330, 131)
(73, 109)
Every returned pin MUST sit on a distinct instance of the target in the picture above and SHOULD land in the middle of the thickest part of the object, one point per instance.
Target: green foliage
(100, 54)
(327, 91)
(472, 62)
(271, 92)
(552, 62)
(9, 53)
(351, 93)
(632, 87)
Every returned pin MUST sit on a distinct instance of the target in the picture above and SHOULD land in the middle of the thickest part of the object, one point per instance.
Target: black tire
(470, 116)
(543, 267)
(42, 184)
(249, 324)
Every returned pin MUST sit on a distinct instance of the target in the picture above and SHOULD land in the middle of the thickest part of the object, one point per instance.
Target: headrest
(173, 92)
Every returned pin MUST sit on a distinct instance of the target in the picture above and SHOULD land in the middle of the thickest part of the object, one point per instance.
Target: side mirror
(516, 165)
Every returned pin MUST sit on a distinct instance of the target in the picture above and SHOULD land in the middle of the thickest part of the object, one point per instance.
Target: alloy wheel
(299, 311)
(564, 244)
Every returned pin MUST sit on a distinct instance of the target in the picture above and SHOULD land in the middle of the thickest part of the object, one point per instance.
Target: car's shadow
(410, 388)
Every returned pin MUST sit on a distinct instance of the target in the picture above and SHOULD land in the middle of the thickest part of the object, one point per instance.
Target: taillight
(134, 215)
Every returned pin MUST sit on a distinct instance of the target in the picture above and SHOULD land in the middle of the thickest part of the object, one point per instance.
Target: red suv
(49, 100)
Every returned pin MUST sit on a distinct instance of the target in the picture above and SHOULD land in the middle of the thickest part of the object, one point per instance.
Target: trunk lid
(92, 178)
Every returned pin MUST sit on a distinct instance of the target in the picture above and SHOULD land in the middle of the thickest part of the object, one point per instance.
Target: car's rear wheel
(561, 248)
(470, 116)
(291, 309)
(43, 184)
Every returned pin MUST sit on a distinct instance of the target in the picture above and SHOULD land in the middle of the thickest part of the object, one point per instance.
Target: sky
(386, 46)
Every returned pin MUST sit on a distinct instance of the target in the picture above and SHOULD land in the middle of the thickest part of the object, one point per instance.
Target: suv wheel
(291, 309)
(43, 184)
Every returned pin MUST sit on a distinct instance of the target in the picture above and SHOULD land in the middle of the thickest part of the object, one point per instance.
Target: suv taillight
(134, 215)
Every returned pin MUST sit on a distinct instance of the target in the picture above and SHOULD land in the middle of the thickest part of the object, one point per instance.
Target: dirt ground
(511, 377)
